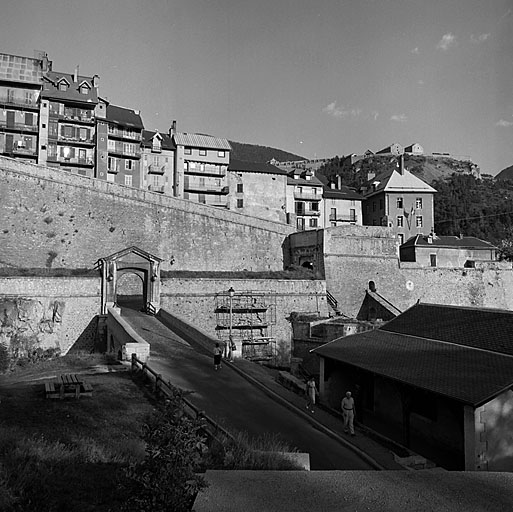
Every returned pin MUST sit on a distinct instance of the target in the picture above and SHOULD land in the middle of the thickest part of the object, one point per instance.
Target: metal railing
(332, 301)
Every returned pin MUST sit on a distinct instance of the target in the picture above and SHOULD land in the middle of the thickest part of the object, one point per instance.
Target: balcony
(75, 119)
(120, 134)
(20, 127)
(84, 162)
(156, 169)
(19, 102)
(21, 150)
(307, 196)
(156, 188)
(120, 152)
(343, 218)
(208, 171)
(74, 140)
(206, 188)
(308, 213)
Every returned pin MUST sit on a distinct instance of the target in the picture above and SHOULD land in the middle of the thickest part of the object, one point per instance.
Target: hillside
(427, 167)
(255, 153)
(505, 174)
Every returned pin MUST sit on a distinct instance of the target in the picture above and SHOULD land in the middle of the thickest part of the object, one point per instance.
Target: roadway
(235, 403)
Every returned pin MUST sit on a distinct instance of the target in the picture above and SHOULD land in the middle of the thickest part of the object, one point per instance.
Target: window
(300, 208)
(240, 188)
(128, 165)
(112, 145)
(128, 148)
(419, 222)
(202, 152)
(432, 260)
(400, 221)
(313, 223)
(63, 86)
(399, 202)
(352, 215)
(314, 207)
(29, 119)
(84, 89)
(84, 133)
(112, 129)
(187, 151)
(240, 203)
(128, 180)
(333, 214)
(300, 224)
(401, 238)
(418, 203)
(221, 154)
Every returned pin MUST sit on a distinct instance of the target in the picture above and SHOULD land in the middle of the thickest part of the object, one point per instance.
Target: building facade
(398, 199)
(201, 167)
(304, 199)
(258, 189)
(21, 82)
(158, 162)
(341, 206)
(67, 122)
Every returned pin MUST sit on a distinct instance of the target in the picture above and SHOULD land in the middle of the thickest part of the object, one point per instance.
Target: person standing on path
(348, 412)
(217, 356)
(311, 392)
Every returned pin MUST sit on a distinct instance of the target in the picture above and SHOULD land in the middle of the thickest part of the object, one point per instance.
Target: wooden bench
(68, 385)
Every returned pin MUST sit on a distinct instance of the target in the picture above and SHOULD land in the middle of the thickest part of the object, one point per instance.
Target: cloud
(415, 51)
(399, 118)
(480, 38)
(504, 124)
(446, 42)
(341, 112)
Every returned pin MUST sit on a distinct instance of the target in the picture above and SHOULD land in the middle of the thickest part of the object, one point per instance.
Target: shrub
(166, 480)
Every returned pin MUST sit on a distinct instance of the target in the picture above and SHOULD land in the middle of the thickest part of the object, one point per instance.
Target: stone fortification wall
(51, 218)
(40, 313)
(194, 300)
(350, 266)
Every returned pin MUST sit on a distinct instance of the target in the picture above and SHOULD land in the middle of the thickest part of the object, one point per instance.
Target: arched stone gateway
(116, 279)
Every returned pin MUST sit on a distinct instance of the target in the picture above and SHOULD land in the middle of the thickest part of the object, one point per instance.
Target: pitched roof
(393, 181)
(466, 242)
(482, 328)
(124, 117)
(470, 376)
(51, 89)
(258, 167)
(197, 140)
(166, 141)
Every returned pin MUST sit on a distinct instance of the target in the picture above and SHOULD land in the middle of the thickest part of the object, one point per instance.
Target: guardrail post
(157, 386)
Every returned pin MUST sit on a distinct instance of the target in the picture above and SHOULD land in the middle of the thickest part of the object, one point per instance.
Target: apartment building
(124, 137)
(258, 189)
(21, 82)
(396, 198)
(201, 168)
(158, 162)
(304, 197)
(341, 206)
(67, 134)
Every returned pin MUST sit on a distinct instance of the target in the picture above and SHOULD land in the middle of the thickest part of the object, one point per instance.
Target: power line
(472, 218)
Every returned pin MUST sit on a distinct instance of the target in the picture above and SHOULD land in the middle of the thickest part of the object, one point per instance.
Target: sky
(316, 78)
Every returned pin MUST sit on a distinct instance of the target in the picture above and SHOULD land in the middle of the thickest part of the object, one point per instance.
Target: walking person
(311, 392)
(348, 411)
(218, 352)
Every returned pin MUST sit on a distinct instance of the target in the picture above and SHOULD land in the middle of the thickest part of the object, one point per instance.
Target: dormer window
(156, 143)
(63, 86)
(84, 88)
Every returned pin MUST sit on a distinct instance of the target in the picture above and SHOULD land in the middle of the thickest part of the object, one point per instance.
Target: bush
(166, 480)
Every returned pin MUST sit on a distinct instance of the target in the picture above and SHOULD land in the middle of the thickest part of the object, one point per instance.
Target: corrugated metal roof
(197, 140)
(455, 242)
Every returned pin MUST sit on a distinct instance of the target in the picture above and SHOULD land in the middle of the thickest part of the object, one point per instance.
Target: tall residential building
(67, 122)
(158, 162)
(304, 198)
(124, 137)
(21, 82)
(201, 167)
(398, 199)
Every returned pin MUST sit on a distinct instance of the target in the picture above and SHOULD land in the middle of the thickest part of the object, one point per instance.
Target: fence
(160, 387)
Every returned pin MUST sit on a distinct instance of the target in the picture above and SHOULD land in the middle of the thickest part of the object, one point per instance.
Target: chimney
(401, 165)
(75, 75)
(96, 79)
(339, 182)
(172, 130)
(332, 185)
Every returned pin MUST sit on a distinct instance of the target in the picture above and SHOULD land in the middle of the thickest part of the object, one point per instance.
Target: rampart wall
(51, 218)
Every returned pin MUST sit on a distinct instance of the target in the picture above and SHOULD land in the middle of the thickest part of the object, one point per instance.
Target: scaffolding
(250, 316)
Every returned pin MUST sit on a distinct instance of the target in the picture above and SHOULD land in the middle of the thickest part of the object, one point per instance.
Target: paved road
(232, 401)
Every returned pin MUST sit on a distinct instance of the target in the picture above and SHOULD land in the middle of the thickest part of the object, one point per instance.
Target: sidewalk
(375, 453)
